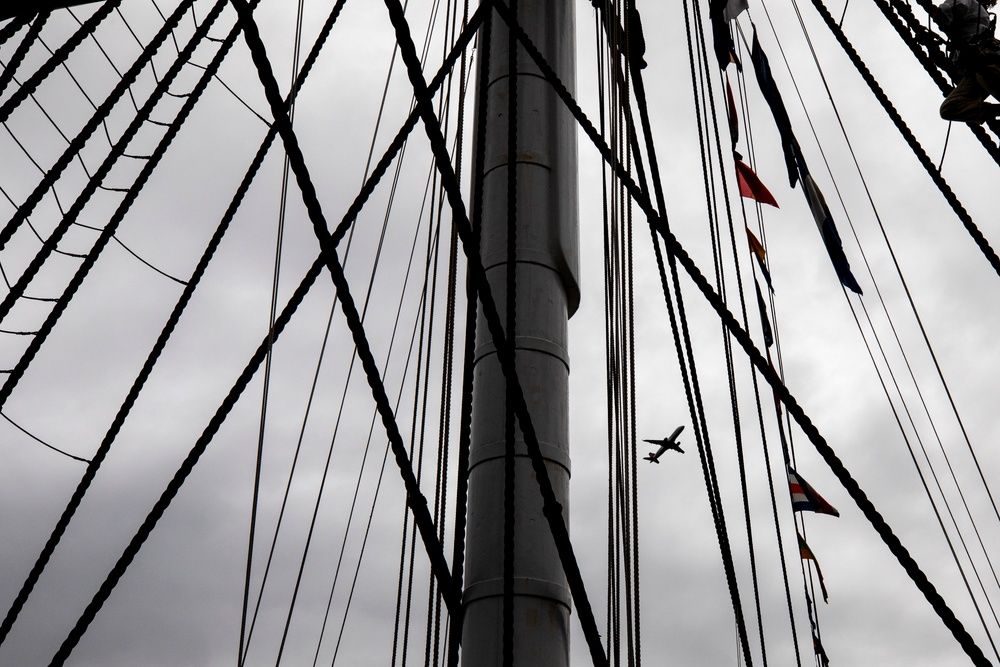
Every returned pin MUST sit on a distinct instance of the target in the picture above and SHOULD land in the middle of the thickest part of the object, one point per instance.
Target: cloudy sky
(180, 602)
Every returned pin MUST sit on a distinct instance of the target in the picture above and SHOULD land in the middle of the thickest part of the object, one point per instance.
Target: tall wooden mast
(547, 294)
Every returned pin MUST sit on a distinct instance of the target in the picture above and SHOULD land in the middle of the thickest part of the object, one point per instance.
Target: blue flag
(722, 36)
(766, 83)
(831, 237)
(797, 170)
(765, 323)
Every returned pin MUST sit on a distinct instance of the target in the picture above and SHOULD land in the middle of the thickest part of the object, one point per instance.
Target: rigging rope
(468, 370)
(963, 215)
(56, 170)
(933, 59)
(927, 491)
(765, 449)
(399, 396)
(911, 140)
(22, 50)
(41, 170)
(448, 372)
(63, 52)
(161, 505)
(15, 25)
(694, 400)
(110, 227)
(416, 443)
(795, 411)
(627, 365)
(552, 509)
(415, 498)
(633, 607)
(614, 530)
(417, 424)
(100, 48)
(265, 391)
(611, 208)
(909, 368)
(431, 598)
(151, 360)
(684, 352)
(623, 566)
(613, 599)
(906, 360)
(42, 442)
(59, 205)
(417, 326)
(188, 465)
(432, 247)
(709, 105)
(246, 634)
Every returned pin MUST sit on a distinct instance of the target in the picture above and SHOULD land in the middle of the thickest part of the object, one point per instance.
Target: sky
(180, 602)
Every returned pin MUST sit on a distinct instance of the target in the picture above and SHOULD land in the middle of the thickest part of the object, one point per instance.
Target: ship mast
(546, 294)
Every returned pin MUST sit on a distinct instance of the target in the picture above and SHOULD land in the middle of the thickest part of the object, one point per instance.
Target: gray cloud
(180, 602)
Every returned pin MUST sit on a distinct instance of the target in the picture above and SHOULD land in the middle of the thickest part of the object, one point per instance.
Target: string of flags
(749, 183)
(804, 497)
(824, 661)
(751, 186)
(807, 554)
(757, 248)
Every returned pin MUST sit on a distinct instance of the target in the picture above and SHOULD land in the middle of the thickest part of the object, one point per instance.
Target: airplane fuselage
(665, 444)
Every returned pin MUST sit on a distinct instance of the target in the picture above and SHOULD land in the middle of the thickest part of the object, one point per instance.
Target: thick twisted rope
(673, 245)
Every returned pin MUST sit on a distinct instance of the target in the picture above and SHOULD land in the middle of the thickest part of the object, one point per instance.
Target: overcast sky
(180, 602)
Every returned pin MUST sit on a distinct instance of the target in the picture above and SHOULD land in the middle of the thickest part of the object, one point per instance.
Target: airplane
(665, 444)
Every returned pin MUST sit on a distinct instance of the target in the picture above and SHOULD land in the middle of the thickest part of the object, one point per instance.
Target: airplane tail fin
(651, 457)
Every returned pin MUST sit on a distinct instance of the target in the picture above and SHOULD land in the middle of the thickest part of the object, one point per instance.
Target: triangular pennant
(806, 553)
(820, 653)
(751, 186)
(734, 125)
(759, 253)
(756, 247)
(805, 498)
